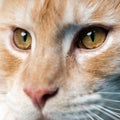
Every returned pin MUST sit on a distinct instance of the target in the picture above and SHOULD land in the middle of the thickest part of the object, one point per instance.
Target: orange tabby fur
(49, 64)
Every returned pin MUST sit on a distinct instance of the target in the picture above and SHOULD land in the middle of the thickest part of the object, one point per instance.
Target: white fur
(84, 55)
(1, 3)
(68, 16)
(84, 12)
(14, 50)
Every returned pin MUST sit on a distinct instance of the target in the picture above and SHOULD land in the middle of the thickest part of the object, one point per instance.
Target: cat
(59, 59)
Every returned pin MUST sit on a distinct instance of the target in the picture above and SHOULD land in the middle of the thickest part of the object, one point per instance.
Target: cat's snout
(40, 96)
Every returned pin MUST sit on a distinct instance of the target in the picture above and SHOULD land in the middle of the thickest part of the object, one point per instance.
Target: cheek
(105, 64)
(8, 63)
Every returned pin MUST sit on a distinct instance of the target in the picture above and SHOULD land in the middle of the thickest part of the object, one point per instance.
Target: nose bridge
(43, 68)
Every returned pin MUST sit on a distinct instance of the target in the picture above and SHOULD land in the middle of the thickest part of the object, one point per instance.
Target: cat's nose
(40, 96)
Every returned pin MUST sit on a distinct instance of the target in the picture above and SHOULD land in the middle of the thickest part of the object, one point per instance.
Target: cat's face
(59, 59)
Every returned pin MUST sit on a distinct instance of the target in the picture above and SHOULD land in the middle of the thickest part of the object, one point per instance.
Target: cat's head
(59, 59)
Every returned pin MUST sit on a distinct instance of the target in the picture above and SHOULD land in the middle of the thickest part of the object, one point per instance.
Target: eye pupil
(24, 35)
(92, 35)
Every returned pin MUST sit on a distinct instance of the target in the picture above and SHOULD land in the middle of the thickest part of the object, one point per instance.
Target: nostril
(49, 95)
(40, 96)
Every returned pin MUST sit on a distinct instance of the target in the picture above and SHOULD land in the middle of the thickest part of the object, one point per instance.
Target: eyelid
(83, 30)
(106, 27)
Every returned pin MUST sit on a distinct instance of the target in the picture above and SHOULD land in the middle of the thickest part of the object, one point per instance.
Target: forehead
(29, 10)
(24, 12)
(36, 10)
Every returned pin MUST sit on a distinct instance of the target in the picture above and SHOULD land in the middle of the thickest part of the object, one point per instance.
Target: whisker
(118, 93)
(93, 115)
(107, 113)
(111, 112)
(89, 116)
(111, 100)
(116, 109)
(96, 116)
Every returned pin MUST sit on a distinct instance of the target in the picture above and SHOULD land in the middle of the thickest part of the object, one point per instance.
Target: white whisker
(111, 112)
(111, 100)
(106, 113)
(116, 109)
(89, 116)
(96, 116)
(93, 114)
(117, 93)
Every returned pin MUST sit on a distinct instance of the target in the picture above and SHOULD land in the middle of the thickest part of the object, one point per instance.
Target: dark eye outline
(80, 35)
(14, 44)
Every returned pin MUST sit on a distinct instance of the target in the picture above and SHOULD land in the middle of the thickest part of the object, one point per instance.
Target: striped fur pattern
(88, 81)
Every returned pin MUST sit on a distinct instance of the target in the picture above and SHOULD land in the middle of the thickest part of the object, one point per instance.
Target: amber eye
(22, 39)
(91, 38)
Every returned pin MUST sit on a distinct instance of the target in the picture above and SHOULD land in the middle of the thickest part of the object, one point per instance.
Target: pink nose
(40, 96)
